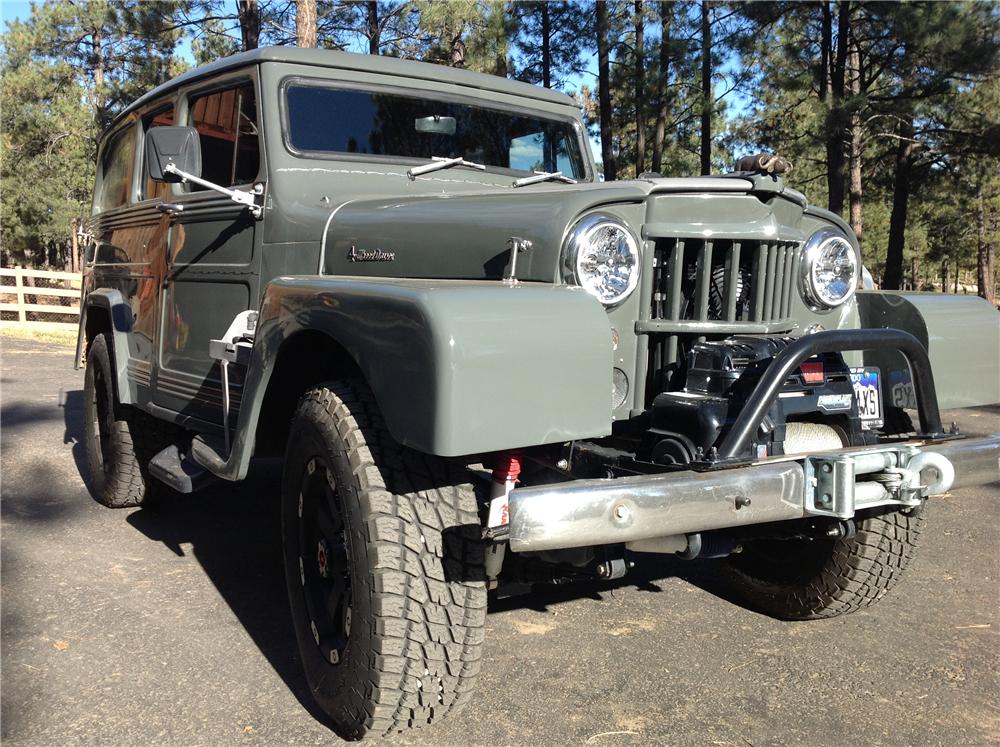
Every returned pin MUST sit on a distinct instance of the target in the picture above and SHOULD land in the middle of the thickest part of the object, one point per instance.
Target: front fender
(962, 337)
(457, 367)
(119, 315)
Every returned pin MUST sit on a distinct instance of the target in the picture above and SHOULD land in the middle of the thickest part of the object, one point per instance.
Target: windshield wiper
(438, 163)
(543, 176)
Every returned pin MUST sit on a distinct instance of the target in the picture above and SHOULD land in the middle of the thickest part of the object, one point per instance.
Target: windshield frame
(417, 92)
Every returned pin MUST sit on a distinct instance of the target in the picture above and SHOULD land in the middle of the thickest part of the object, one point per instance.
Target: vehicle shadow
(73, 419)
(233, 532)
(646, 577)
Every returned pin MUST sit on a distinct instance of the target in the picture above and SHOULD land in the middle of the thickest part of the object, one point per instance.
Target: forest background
(889, 111)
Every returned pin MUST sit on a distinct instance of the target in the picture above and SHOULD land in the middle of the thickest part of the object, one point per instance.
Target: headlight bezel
(577, 239)
(812, 251)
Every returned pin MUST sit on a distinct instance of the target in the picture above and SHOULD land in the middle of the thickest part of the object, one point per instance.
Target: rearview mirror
(436, 125)
(179, 146)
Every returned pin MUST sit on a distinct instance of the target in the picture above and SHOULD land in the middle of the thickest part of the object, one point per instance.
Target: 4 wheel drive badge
(371, 255)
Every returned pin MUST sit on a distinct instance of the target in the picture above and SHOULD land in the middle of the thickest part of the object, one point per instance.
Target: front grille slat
(778, 291)
(732, 280)
(759, 280)
(676, 292)
(792, 275)
(772, 256)
(704, 281)
(785, 258)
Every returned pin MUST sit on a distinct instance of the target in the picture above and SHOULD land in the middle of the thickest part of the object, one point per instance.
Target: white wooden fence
(39, 299)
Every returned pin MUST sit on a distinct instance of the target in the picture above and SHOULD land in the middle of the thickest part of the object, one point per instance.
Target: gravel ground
(170, 625)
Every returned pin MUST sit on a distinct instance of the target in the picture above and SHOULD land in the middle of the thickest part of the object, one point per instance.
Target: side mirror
(179, 146)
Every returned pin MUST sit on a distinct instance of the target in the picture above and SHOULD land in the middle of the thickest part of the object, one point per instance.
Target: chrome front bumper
(835, 484)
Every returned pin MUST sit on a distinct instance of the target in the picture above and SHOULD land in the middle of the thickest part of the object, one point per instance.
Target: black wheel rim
(324, 567)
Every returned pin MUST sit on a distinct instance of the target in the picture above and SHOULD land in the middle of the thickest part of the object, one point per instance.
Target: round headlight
(602, 256)
(829, 269)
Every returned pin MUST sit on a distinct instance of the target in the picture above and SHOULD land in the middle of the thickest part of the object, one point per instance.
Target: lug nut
(742, 501)
(621, 512)
(563, 464)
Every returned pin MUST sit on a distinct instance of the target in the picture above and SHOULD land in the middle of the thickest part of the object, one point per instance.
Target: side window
(116, 171)
(159, 118)
(227, 127)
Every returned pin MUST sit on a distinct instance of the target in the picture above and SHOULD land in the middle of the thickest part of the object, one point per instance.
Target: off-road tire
(118, 440)
(410, 651)
(812, 579)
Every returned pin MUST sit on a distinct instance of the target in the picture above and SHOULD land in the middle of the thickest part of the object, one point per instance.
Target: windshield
(335, 120)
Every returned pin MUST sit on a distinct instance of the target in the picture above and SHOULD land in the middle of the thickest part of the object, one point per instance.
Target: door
(126, 255)
(211, 254)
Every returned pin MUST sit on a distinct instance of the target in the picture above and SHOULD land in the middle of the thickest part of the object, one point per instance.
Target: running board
(176, 468)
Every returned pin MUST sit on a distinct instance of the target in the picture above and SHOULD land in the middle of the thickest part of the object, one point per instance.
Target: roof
(359, 62)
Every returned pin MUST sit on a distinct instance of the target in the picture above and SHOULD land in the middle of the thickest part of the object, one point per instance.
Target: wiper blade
(543, 176)
(437, 163)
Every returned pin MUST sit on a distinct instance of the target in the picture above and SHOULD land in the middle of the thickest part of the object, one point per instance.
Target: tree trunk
(249, 16)
(373, 30)
(945, 276)
(985, 277)
(604, 90)
(706, 89)
(666, 10)
(546, 46)
(825, 47)
(74, 245)
(99, 99)
(640, 90)
(305, 23)
(900, 202)
(456, 56)
(835, 121)
(914, 274)
(957, 275)
(856, 147)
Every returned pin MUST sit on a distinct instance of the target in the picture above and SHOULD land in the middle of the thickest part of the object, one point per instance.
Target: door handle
(172, 208)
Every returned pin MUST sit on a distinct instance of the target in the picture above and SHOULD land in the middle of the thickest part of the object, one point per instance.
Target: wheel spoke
(335, 596)
(326, 523)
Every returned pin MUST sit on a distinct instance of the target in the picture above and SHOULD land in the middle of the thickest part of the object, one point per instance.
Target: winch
(816, 408)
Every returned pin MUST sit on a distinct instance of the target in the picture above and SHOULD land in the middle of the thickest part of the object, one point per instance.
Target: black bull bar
(788, 360)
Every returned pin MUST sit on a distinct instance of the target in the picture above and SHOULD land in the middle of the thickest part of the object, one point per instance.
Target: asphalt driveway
(169, 626)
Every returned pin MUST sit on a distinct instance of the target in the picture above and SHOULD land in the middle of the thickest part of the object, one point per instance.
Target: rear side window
(227, 127)
(159, 118)
(116, 171)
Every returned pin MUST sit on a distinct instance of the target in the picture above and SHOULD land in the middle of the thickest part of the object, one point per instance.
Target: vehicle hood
(468, 235)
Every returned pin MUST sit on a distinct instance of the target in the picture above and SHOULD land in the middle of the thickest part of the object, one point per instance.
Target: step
(175, 467)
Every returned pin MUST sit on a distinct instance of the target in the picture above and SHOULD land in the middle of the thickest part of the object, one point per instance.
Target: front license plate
(868, 392)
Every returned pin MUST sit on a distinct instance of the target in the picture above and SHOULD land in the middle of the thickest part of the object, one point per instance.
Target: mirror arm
(243, 198)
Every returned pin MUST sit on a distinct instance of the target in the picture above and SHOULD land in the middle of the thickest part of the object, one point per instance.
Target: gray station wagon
(486, 369)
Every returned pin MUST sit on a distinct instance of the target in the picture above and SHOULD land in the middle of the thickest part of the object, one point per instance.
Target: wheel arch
(105, 312)
(304, 359)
